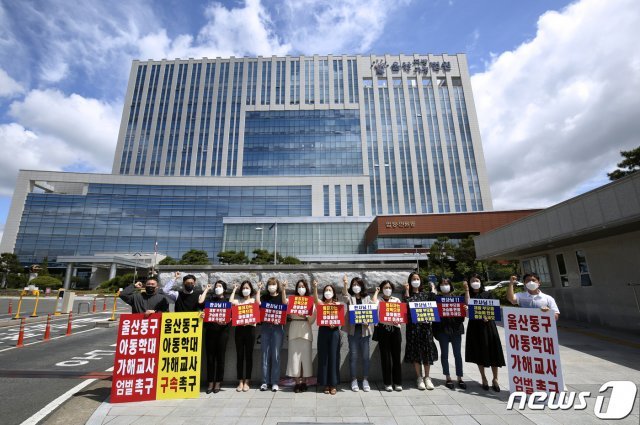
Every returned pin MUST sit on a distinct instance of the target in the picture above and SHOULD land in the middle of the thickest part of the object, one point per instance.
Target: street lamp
(261, 230)
(417, 258)
(135, 268)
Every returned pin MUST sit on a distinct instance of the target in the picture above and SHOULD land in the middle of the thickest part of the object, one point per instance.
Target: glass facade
(130, 218)
(294, 143)
(297, 238)
(405, 243)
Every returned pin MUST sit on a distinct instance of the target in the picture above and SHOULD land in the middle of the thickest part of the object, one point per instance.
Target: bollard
(10, 312)
(55, 308)
(93, 308)
(35, 307)
(17, 316)
(21, 334)
(47, 330)
(69, 325)
(115, 301)
(104, 306)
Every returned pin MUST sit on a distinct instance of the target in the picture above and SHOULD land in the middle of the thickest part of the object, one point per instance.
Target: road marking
(56, 337)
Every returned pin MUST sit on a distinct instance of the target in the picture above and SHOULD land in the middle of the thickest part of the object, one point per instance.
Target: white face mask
(475, 284)
(302, 290)
(415, 283)
(272, 289)
(445, 289)
(219, 290)
(532, 285)
(356, 289)
(246, 292)
(386, 292)
(328, 295)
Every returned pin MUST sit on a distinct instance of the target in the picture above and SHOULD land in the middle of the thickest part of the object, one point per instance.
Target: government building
(296, 154)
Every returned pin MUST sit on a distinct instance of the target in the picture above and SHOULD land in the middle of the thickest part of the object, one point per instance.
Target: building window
(338, 81)
(309, 82)
(323, 68)
(361, 210)
(583, 268)
(325, 193)
(539, 266)
(349, 200)
(562, 270)
(266, 84)
(338, 196)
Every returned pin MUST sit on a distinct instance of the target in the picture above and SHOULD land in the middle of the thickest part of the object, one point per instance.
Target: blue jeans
(271, 343)
(456, 343)
(358, 348)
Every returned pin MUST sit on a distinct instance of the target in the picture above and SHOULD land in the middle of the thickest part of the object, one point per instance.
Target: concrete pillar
(112, 271)
(67, 276)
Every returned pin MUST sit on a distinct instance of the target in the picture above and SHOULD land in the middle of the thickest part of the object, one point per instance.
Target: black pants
(328, 356)
(245, 338)
(390, 345)
(216, 337)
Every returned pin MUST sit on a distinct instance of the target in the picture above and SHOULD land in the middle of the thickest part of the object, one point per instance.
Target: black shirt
(188, 302)
(141, 302)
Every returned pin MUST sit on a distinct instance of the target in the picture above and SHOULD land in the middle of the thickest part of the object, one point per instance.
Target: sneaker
(398, 387)
(428, 383)
(275, 388)
(388, 388)
(264, 387)
(420, 384)
(365, 386)
(354, 386)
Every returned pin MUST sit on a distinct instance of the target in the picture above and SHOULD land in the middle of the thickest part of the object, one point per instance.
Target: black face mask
(150, 290)
(188, 288)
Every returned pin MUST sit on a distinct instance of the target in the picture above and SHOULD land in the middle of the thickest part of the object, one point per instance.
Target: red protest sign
(302, 306)
(217, 312)
(330, 314)
(136, 361)
(394, 313)
(245, 314)
(451, 307)
(273, 313)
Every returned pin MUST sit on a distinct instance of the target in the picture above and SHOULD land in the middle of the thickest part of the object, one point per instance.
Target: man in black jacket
(186, 299)
(148, 301)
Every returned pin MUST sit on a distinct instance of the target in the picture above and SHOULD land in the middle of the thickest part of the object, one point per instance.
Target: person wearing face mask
(149, 301)
(420, 348)
(328, 345)
(533, 297)
(299, 359)
(185, 299)
(357, 335)
(271, 336)
(449, 331)
(389, 337)
(245, 336)
(483, 346)
(216, 336)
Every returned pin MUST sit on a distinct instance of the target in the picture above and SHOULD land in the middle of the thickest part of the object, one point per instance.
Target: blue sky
(555, 82)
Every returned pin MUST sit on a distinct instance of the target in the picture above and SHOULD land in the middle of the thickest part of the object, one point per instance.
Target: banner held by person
(218, 312)
(392, 313)
(245, 314)
(135, 368)
(330, 314)
(179, 360)
(302, 306)
(451, 306)
(485, 309)
(363, 314)
(533, 353)
(424, 311)
(273, 313)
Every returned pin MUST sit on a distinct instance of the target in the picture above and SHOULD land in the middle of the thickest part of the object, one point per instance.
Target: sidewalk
(590, 357)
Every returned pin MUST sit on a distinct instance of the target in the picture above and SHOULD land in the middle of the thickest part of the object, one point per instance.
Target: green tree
(13, 274)
(168, 261)
(233, 257)
(46, 282)
(629, 165)
(465, 255)
(439, 254)
(291, 260)
(263, 256)
(195, 257)
(44, 267)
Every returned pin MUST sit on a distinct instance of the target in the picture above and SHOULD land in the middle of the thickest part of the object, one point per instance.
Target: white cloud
(8, 86)
(54, 132)
(327, 26)
(241, 31)
(555, 112)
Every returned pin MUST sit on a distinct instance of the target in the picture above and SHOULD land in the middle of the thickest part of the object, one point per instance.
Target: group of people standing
(483, 346)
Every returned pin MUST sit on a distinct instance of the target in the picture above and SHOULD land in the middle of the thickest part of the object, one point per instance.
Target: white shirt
(539, 300)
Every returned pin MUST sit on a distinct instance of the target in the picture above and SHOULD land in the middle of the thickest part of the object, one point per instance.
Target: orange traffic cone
(69, 325)
(21, 334)
(47, 330)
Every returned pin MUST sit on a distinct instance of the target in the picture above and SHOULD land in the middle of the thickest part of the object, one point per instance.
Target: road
(36, 374)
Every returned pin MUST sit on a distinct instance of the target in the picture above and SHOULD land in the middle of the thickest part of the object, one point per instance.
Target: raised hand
(466, 286)
(512, 280)
(260, 286)
(315, 284)
(138, 285)
(344, 279)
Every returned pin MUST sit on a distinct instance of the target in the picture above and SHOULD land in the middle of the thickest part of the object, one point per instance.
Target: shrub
(46, 282)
